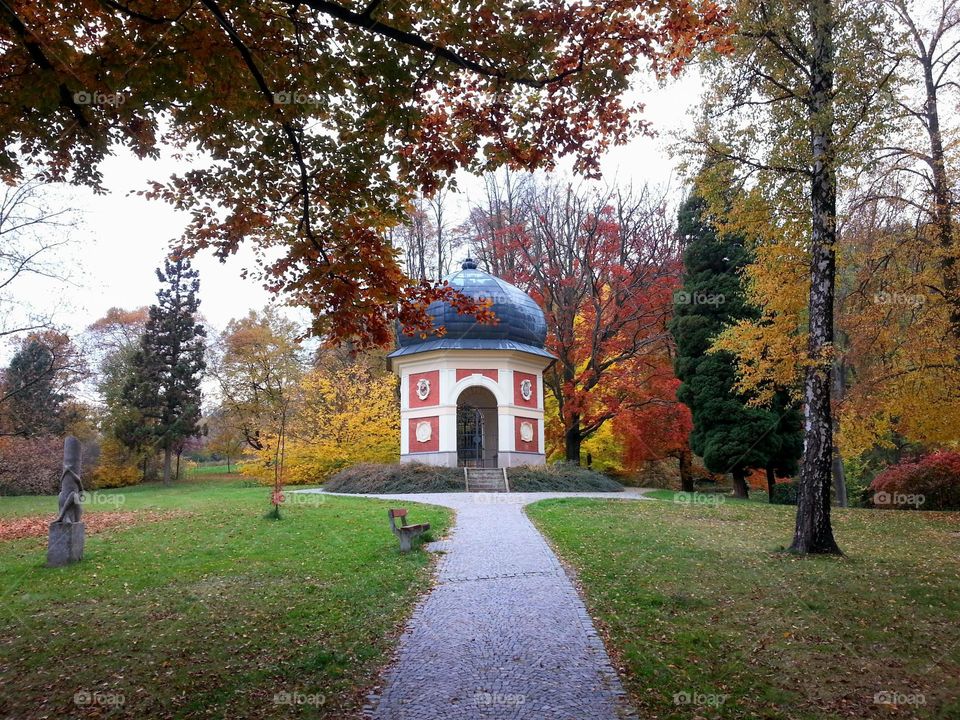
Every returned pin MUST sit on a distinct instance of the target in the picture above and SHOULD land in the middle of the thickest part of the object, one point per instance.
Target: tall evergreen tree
(165, 381)
(731, 436)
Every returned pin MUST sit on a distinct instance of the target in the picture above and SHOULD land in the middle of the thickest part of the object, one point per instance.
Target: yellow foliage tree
(341, 415)
(117, 467)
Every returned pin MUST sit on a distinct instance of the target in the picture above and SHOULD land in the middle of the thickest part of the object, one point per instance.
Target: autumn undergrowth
(210, 614)
(708, 617)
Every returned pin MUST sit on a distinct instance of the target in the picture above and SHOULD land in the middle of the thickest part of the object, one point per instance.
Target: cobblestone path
(504, 633)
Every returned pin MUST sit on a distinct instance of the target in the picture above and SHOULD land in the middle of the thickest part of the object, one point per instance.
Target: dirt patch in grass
(38, 525)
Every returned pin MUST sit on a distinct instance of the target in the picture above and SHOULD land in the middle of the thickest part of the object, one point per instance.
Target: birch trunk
(814, 533)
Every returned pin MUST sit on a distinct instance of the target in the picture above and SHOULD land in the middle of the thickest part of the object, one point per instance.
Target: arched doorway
(477, 437)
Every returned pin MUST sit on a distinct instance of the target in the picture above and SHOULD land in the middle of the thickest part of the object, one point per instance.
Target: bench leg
(405, 542)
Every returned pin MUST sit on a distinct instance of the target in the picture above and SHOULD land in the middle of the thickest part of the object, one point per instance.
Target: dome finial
(469, 264)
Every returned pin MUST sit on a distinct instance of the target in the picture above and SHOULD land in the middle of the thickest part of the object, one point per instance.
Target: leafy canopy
(306, 125)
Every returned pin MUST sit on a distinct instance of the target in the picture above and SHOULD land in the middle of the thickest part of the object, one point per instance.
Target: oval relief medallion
(526, 431)
(424, 431)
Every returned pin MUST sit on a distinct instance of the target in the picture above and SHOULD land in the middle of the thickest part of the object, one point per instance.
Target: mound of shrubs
(931, 483)
(559, 477)
(419, 478)
(396, 478)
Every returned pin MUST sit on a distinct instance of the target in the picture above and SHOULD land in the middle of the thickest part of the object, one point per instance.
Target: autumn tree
(257, 363)
(731, 435)
(497, 219)
(900, 379)
(36, 385)
(306, 126)
(657, 429)
(603, 266)
(791, 109)
(164, 386)
(345, 412)
(224, 439)
(113, 343)
(921, 158)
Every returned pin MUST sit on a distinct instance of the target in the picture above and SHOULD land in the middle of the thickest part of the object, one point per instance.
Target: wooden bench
(405, 532)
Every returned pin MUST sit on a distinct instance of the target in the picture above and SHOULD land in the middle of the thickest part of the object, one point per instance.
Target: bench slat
(398, 512)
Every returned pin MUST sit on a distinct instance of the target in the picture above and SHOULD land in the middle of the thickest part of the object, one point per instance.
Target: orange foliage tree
(305, 126)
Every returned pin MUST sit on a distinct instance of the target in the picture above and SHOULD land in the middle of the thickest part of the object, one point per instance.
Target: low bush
(115, 468)
(559, 477)
(396, 478)
(30, 466)
(784, 493)
(931, 483)
(416, 477)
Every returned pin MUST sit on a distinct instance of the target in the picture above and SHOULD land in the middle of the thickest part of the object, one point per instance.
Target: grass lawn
(707, 617)
(708, 497)
(209, 613)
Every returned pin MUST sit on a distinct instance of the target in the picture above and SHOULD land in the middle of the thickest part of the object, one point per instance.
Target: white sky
(122, 238)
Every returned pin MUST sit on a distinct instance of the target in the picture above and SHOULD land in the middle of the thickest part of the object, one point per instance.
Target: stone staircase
(486, 479)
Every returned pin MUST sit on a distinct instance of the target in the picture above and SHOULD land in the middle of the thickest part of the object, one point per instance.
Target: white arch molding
(477, 381)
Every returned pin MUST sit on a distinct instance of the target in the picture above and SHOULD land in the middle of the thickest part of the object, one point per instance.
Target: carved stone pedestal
(65, 544)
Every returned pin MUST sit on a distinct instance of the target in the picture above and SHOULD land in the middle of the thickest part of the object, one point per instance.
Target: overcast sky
(122, 238)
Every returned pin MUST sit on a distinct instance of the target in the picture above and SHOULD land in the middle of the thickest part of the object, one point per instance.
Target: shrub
(784, 493)
(116, 467)
(30, 466)
(931, 483)
(416, 477)
(396, 478)
(559, 477)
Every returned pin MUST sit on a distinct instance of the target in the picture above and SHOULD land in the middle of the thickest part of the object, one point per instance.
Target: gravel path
(504, 633)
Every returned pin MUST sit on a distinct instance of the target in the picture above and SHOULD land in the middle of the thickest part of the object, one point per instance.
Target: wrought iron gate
(469, 436)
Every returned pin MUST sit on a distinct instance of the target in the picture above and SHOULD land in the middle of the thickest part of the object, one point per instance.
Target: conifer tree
(165, 382)
(731, 435)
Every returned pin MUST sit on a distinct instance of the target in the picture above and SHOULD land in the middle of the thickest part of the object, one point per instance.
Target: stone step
(485, 480)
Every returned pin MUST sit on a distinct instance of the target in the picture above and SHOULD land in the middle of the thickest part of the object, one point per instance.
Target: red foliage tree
(657, 427)
(603, 266)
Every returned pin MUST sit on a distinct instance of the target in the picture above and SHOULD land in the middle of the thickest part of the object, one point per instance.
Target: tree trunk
(167, 458)
(942, 201)
(144, 468)
(740, 489)
(228, 465)
(177, 475)
(686, 471)
(771, 483)
(573, 440)
(814, 533)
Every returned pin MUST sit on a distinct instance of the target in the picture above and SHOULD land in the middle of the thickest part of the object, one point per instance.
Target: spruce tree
(731, 436)
(165, 381)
